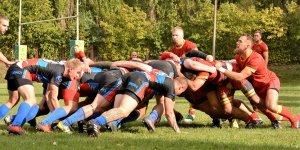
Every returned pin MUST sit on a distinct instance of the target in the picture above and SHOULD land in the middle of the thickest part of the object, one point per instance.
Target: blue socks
(3, 110)
(23, 110)
(153, 116)
(117, 122)
(77, 116)
(100, 121)
(32, 113)
(55, 115)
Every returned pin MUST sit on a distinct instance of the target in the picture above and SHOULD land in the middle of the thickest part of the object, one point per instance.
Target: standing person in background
(79, 54)
(180, 47)
(134, 56)
(260, 46)
(4, 23)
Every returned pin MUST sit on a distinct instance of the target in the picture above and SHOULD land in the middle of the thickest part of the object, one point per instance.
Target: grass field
(198, 135)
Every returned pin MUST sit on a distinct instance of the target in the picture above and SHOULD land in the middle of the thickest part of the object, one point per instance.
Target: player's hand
(218, 64)
(175, 58)
(209, 58)
(87, 69)
(213, 69)
(8, 64)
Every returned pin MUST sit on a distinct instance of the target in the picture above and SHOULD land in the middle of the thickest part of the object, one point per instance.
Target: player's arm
(200, 54)
(169, 112)
(196, 84)
(169, 102)
(244, 74)
(166, 55)
(132, 65)
(4, 60)
(266, 57)
(51, 96)
(102, 64)
(197, 66)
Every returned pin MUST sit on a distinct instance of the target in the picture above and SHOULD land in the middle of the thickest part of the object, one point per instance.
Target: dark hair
(257, 31)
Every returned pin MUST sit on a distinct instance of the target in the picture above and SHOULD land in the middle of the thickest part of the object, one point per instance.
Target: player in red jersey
(260, 46)
(180, 47)
(79, 54)
(190, 64)
(134, 56)
(226, 98)
(264, 81)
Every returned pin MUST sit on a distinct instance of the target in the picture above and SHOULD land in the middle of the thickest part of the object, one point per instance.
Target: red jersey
(261, 75)
(187, 46)
(260, 48)
(80, 55)
(213, 78)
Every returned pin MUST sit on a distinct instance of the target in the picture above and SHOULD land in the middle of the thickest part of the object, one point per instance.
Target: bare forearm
(234, 75)
(172, 122)
(132, 65)
(195, 85)
(169, 111)
(197, 66)
(3, 59)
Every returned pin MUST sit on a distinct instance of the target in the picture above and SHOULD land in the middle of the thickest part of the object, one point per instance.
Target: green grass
(198, 135)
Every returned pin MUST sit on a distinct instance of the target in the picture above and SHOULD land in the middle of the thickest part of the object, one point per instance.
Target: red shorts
(263, 89)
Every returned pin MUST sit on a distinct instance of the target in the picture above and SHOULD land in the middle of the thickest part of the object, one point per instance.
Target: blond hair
(73, 63)
(178, 28)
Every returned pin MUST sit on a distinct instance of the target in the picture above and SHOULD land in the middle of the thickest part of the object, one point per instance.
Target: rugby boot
(92, 129)
(149, 124)
(189, 119)
(276, 124)
(7, 120)
(233, 123)
(15, 130)
(44, 128)
(113, 127)
(82, 126)
(64, 128)
(296, 123)
(217, 122)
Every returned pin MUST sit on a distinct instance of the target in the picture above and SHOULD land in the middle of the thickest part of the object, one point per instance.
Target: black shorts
(14, 84)
(136, 83)
(15, 72)
(131, 94)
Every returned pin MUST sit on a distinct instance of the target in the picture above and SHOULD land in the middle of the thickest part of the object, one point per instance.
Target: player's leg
(272, 104)
(26, 90)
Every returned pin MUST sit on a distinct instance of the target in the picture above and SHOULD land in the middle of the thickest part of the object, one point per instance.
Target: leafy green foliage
(114, 28)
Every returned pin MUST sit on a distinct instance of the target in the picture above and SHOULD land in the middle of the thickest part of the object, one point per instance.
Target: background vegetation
(113, 28)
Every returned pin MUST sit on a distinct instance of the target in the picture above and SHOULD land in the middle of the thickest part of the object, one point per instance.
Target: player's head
(257, 36)
(134, 54)
(180, 84)
(73, 69)
(76, 48)
(177, 35)
(4, 23)
(244, 42)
